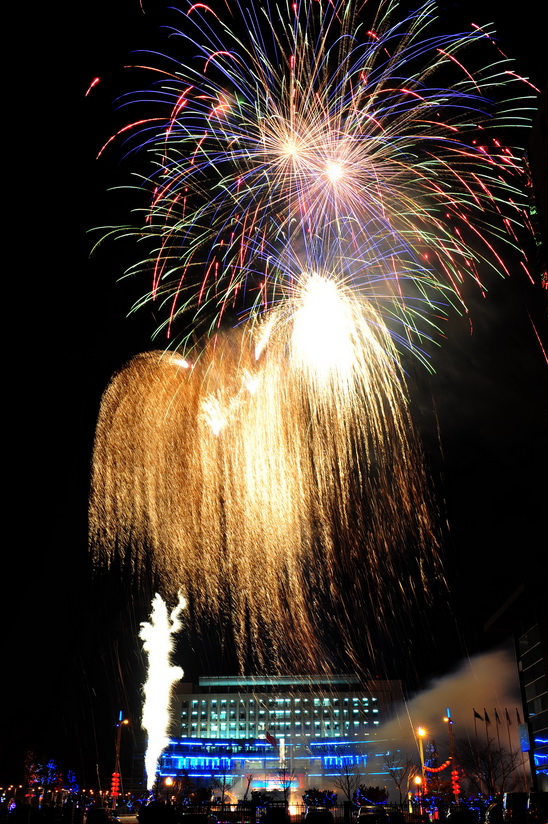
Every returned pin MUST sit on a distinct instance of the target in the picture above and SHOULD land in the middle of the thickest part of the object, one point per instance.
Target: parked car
(494, 813)
(514, 807)
(460, 814)
(276, 814)
(537, 808)
(372, 814)
(318, 815)
(100, 815)
(192, 817)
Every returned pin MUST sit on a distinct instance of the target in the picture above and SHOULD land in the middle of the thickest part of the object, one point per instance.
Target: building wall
(297, 708)
(322, 726)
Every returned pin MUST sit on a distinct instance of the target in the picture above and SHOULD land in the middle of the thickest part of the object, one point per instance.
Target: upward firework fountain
(162, 675)
(340, 203)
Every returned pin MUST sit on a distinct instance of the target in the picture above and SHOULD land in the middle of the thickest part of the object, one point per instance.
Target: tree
(259, 798)
(371, 795)
(348, 779)
(222, 779)
(487, 767)
(248, 779)
(286, 778)
(401, 771)
(319, 798)
(32, 769)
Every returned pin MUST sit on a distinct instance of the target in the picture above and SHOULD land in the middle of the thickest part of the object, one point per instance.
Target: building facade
(524, 616)
(301, 730)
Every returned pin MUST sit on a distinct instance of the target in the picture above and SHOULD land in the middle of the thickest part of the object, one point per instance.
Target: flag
(270, 738)
(508, 718)
(497, 719)
(477, 715)
(517, 715)
(487, 721)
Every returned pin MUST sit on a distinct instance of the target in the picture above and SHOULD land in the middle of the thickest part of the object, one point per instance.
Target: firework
(375, 142)
(276, 480)
(158, 645)
(319, 180)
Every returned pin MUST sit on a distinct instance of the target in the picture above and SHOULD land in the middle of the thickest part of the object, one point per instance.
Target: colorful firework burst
(369, 148)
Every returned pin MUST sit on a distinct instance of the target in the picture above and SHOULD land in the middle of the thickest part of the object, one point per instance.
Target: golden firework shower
(317, 182)
(276, 480)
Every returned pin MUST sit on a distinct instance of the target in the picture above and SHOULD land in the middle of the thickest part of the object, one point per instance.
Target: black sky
(69, 652)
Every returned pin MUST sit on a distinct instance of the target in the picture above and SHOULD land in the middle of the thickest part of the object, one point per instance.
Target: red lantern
(115, 785)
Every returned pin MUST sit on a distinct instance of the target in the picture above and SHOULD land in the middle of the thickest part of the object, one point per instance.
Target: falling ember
(279, 511)
(157, 637)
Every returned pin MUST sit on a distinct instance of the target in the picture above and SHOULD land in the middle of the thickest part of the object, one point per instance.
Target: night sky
(71, 658)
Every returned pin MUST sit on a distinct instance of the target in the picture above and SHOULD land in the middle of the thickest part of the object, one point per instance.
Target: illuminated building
(524, 617)
(310, 727)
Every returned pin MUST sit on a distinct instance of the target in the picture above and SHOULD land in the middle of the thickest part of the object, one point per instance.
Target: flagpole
(491, 782)
(497, 720)
(480, 775)
(487, 722)
(508, 722)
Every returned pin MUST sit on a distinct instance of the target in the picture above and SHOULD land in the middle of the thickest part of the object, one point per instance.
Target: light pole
(116, 775)
(421, 732)
(454, 774)
(418, 784)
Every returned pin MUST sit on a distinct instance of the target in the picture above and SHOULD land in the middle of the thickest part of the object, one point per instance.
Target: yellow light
(322, 327)
(417, 780)
(334, 171)
(421, 732)
(182, 362)
(290, 147)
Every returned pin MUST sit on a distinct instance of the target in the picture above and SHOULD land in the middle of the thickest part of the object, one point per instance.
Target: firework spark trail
(161, 676)
(255, 486)
(311, 124)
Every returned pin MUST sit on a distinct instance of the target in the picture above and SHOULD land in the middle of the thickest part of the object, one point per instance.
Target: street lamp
(168, 783)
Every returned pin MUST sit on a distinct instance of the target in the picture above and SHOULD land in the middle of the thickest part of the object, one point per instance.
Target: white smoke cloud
(484, 682)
